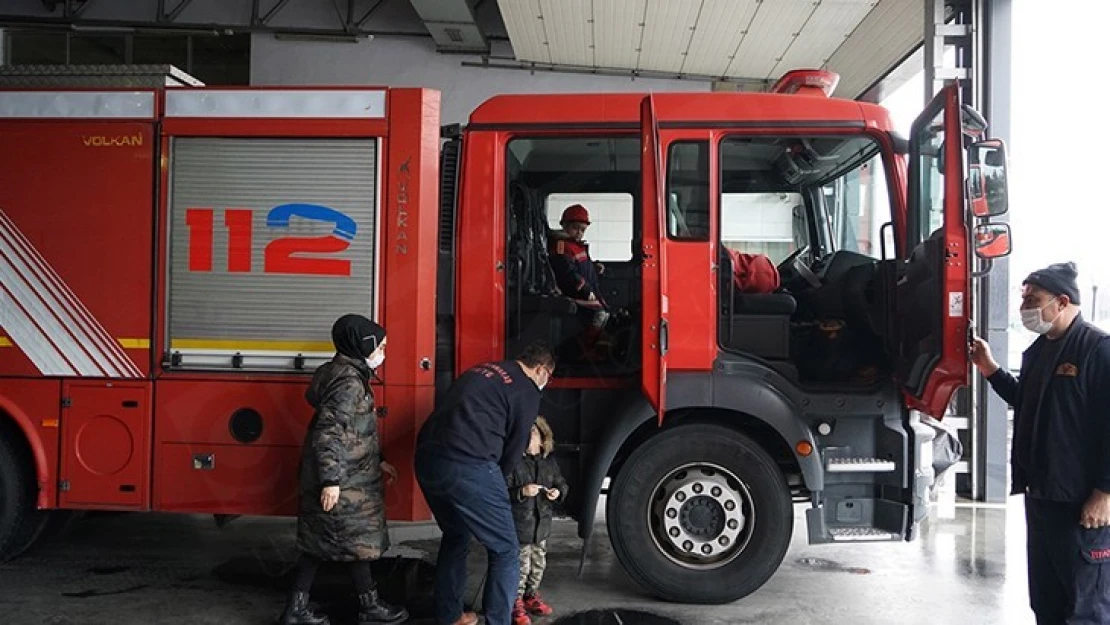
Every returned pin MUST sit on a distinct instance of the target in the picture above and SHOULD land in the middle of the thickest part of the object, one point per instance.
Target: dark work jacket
(1070, 436)
(575, 273)
(487, 415)
(532, 515)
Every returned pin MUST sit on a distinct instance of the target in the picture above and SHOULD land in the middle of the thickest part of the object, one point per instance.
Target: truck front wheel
(700, 514)
(20, 522)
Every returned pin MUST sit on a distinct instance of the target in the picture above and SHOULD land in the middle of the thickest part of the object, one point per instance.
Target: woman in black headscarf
(342, 504)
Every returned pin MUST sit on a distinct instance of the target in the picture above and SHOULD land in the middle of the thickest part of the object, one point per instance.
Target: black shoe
(298, 612)
(374, 611)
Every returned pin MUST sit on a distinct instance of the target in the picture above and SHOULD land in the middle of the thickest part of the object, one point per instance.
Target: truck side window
(610, 234)
(688, 191)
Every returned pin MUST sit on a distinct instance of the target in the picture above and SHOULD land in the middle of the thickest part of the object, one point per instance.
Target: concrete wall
(405, 62)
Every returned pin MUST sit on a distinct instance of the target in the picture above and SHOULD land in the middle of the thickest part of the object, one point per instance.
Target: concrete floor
(122, 569)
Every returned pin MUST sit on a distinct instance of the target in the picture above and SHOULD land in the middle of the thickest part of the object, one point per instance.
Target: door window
(930, 171)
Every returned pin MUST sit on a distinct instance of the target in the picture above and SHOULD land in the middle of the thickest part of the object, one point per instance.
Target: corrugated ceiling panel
(830, 26)
(772, 32)
(667, 34)
(525, 28)
(720, 29)
(569, 31)
(617, 24)
(890, 32)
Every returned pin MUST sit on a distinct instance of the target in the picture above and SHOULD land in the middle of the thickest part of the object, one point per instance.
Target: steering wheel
(789, 260)
(795, 262)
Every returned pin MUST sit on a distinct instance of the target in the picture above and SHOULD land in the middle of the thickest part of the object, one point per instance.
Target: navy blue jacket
(574, 270)
(487, 415)
(1070, 436)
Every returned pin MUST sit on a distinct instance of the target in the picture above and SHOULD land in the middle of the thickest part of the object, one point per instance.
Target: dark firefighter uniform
(576, 275)
(1060, 454)
(476, 436)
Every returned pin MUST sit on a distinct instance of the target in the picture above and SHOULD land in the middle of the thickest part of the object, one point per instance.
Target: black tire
(650, 482)
(20, 522)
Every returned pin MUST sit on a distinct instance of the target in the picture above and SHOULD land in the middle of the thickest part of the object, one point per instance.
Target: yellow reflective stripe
(125, 343)
(243, 345)
(135, 343)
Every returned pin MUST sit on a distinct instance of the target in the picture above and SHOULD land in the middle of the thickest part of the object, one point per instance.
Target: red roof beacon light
(807, 82)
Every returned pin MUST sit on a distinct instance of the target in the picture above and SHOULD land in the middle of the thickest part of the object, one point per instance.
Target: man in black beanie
(1061, 449)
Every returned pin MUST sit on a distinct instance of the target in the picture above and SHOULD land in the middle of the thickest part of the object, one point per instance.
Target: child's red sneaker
(520, 614)
(534, 605)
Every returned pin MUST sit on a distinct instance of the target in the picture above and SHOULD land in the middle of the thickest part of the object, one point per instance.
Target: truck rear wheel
(20, 522)
(700, 514)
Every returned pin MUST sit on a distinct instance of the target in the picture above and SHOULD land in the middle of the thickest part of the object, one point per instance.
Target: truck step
(860, 534)
(860, 465)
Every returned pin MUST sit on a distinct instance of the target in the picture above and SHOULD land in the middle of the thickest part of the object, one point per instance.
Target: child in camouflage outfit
(535, 486)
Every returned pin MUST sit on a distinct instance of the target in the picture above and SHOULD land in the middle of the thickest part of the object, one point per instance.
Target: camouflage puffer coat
(342, 448)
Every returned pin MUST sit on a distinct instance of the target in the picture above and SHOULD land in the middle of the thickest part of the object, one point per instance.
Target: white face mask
(376, 359)
(1033, 320)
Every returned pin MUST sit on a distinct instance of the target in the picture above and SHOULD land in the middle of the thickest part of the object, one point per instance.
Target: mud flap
(923, 474)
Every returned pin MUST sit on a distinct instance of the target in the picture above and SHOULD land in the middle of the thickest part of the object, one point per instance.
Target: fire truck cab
(716, 409)
(164, 307)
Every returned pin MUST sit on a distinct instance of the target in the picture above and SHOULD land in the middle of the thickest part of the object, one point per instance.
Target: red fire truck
(171, 260)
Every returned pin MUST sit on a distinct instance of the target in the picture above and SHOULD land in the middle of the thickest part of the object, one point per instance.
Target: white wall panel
(618, 30)
(721, 27)
(667, 33)
(890, 32)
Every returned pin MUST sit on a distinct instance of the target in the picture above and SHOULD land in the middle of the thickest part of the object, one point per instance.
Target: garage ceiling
(730, 40)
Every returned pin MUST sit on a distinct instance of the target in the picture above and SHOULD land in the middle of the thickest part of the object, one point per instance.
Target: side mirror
(992, 241)
(986, 184)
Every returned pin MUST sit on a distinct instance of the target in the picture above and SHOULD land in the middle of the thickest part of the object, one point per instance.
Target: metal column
(992, 414)
(978, 33)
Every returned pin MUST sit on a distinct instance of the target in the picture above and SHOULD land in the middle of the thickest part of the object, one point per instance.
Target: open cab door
(933, 295)
(653, 256)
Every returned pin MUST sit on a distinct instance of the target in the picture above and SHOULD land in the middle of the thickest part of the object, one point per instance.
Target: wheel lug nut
(723, 541)
(732, 524)
(716, 491)
(698, 488)
(672, 513)
(680, 496)
(674, 532)
(730, 505)
(688, 546)
(706, 549)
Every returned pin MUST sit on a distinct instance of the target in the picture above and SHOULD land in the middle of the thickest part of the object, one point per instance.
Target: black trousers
(1069, 566)
(307, 566)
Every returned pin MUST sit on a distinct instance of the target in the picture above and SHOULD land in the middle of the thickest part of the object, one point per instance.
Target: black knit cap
(1058, 279)
(356, 336)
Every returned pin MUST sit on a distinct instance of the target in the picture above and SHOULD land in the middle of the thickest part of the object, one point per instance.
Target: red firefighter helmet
(576, 213)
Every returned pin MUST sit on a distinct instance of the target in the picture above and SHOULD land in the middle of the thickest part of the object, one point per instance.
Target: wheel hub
(704, 516)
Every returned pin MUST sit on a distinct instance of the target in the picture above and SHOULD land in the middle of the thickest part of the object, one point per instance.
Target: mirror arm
(989, 264)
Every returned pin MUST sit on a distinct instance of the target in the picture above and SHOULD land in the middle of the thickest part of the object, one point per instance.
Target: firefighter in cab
(577, 275)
